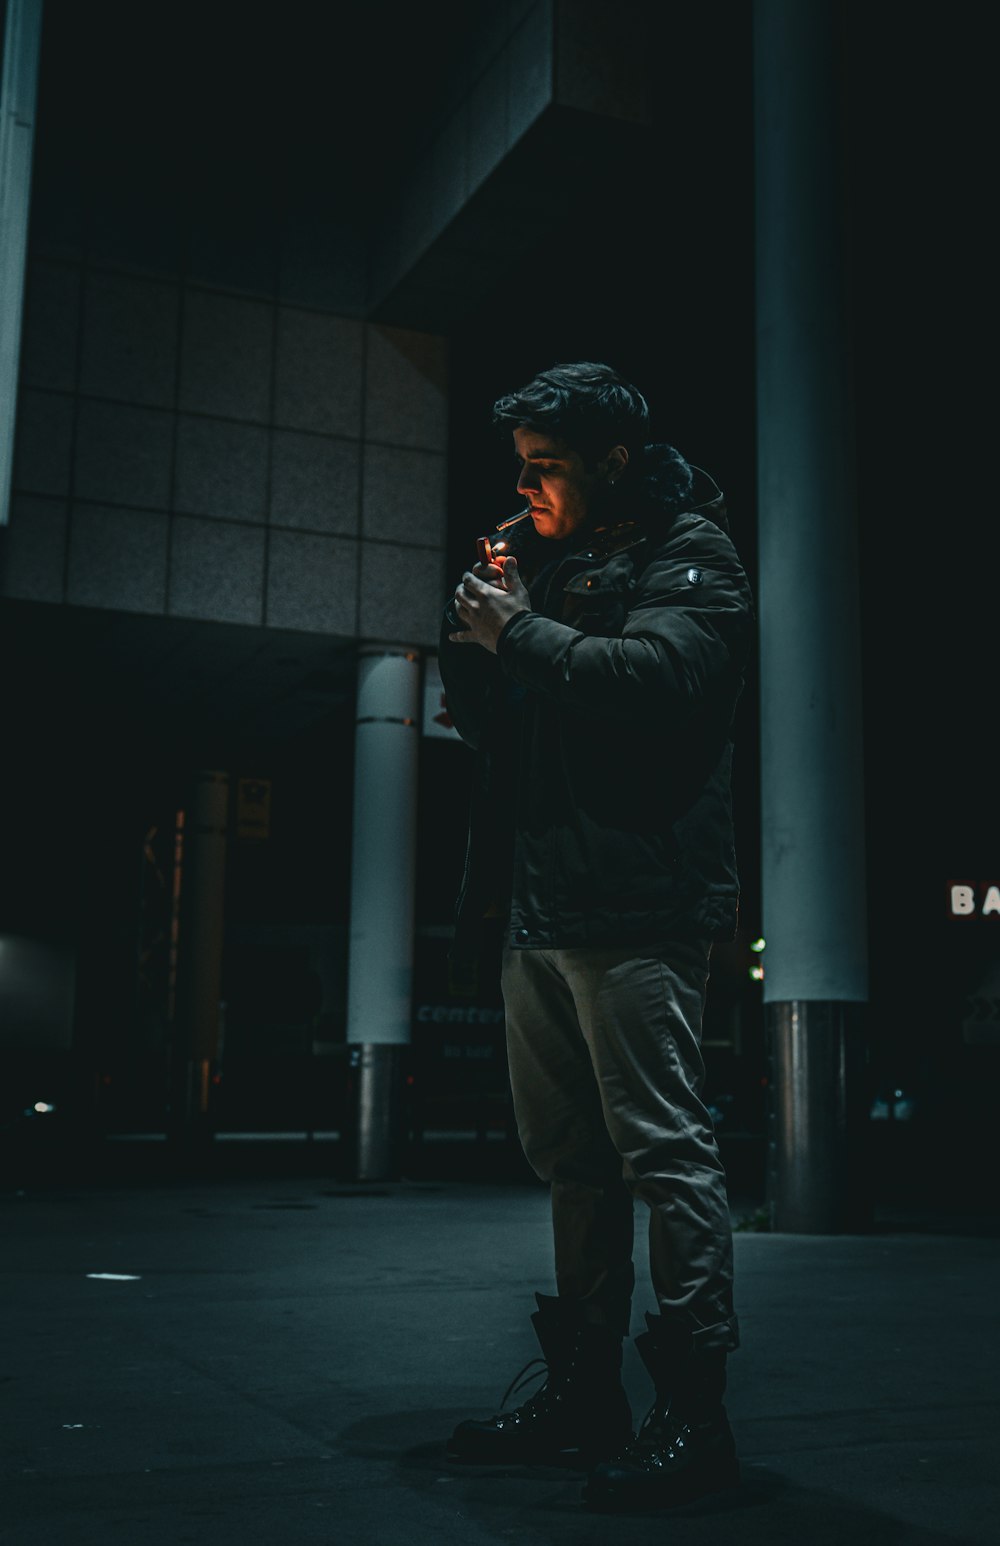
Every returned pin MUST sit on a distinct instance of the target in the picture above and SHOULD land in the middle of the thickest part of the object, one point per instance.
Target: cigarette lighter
(496, 547)
(492, 549)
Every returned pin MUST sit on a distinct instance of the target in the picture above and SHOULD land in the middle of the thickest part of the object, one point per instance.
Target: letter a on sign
(963, 901)
(991, 901)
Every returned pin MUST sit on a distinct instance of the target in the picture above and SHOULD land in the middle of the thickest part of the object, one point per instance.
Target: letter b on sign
(963, 901)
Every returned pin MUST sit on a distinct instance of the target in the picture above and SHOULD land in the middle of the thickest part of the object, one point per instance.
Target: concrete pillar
(22, 41)
(201, 858)
(812, 792)
(383, 876)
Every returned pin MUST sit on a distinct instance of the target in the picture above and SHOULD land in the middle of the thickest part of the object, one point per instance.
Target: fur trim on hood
(664, 482)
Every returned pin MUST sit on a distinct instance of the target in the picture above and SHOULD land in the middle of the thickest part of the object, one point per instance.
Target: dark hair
(588, 405)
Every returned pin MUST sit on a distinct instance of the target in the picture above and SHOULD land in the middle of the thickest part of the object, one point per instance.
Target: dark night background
(644, 260)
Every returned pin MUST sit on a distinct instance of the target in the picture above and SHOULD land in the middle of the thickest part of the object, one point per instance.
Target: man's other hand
(486, 600)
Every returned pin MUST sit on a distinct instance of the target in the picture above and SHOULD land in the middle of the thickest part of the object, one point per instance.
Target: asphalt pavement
(265, 1352)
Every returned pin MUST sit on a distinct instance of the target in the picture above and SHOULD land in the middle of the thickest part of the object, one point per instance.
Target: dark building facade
(280, 262)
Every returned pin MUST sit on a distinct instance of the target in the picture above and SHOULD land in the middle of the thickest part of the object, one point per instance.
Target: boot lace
(659, 1440)
(524, 1377)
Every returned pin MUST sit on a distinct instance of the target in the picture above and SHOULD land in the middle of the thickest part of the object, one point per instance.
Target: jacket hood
(663, 483)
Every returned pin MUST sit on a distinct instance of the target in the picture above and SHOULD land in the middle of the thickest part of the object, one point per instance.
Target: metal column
(383, 878)
(812, 790)
(22, 43)
(201, 901)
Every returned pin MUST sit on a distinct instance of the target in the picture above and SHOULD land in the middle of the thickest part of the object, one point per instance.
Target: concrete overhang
(548, 101)
(528, 202)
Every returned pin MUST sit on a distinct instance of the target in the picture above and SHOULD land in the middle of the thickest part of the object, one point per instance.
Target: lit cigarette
(502, 525)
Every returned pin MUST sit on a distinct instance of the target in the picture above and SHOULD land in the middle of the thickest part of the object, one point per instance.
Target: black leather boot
(580, 1415)
(685, 1448)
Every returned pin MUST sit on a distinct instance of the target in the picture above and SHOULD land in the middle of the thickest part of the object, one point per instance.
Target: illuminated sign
(457, 1014)
(981, 900)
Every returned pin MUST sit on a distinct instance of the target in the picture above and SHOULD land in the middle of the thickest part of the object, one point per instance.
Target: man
(597, 672)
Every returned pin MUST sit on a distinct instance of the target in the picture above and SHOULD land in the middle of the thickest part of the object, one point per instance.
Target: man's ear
(613, 465)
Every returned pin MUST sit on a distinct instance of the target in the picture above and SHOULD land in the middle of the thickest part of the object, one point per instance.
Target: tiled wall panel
(35, 556)
(215, 456)
(124, 454)
(398, 612)
(312, 583)
(216, 571)
(404, 496)
(315, 481)
(43, 453)
(117, 558)
(221, 468)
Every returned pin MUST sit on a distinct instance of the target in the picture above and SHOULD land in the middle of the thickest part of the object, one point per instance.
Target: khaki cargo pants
(606, 1068)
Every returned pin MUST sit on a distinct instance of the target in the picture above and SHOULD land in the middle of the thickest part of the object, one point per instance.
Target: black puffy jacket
(601, 809)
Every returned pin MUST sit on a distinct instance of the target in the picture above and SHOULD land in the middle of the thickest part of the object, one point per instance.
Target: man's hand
(486, 600)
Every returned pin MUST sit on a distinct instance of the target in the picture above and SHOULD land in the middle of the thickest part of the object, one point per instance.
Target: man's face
(555, 482)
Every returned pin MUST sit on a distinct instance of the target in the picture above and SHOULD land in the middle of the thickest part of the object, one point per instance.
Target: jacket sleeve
(469, 676)
(686, 637)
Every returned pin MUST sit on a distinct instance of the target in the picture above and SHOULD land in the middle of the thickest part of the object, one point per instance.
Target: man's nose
(527, 481)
